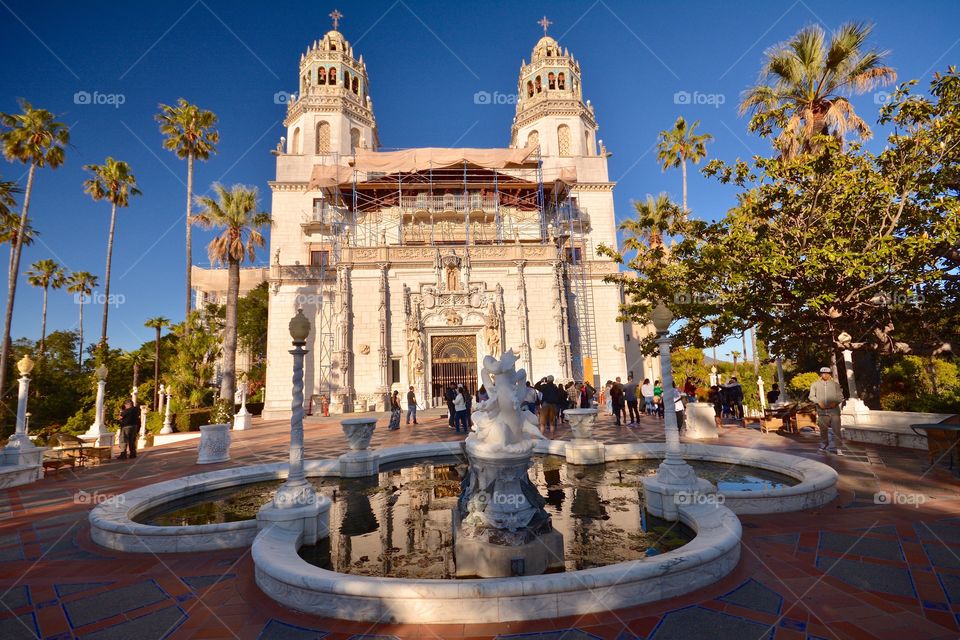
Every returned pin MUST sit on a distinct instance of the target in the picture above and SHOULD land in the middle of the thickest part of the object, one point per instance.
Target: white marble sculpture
(499, 423)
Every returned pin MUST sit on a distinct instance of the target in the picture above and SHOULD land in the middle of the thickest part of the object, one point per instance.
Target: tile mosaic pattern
(852, 569)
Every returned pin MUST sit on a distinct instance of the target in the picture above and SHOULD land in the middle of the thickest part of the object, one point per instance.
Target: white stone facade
(388, 278)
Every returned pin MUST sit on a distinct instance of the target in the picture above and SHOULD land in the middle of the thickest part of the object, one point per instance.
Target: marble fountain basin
(283, 575)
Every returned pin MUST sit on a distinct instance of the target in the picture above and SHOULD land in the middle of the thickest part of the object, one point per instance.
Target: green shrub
(80, 421)
(192, 419)
(154, 422)
(799, 385)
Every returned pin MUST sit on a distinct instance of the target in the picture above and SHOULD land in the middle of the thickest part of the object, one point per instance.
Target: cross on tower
(336, 15)
(543, 22)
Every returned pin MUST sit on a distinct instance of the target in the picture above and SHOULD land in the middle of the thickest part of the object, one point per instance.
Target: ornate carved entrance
(453, 359)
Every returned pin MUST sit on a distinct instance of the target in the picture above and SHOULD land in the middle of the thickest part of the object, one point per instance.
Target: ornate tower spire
(333, 113)
(551, 112)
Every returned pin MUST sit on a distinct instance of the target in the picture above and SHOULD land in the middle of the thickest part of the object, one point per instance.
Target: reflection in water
(399, 523)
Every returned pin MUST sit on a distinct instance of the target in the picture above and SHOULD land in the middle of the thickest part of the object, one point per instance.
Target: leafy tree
(46, 274)
(655, 218)
(190, 132)
(193, 366)
(235, 211)
(81, 284)
(114, 182)
(252, 311)
(34, 138)
(802, 85)
(680, 144)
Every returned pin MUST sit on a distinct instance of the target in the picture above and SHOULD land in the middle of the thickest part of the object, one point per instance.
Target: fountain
(500, 526)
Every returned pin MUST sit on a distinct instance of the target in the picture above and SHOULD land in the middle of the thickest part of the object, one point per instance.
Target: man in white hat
(827, 394)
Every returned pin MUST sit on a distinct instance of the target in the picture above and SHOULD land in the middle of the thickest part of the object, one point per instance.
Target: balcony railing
(457, 203)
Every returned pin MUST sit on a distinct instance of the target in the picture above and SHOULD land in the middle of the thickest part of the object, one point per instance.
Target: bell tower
(333, 113)
(550, 109)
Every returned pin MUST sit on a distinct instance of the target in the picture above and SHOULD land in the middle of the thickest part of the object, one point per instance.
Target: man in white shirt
(646, 390)
(827, 394)
(678, 407)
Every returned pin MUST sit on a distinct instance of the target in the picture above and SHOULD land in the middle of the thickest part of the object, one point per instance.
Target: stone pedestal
(855, 412)
(98, 435)
(241, 421)
(31, 456)
(214, 444)
(701, 421)
(311, 520)
(664, 500)
(478, 558)
(359, 461)
(583, 449)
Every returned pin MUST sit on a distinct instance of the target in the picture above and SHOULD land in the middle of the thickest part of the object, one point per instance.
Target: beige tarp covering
(324, 176)
(411, 160)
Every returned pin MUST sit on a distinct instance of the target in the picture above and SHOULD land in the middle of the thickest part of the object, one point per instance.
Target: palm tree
(136, 359)
(114, 182)
(157, 323)
(32, 137)
(46, 274)
(654, 218)
(235, 211)
(190, 133)
(10, 221)
(81, 284)
(676, 146)
(802, 82)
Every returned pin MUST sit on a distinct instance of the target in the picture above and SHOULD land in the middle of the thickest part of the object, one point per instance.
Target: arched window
(322, 75)
(332, 75)
(533, 138)
(346, 79)
(354, 139)
(356, 86)
(295, 142)
(323, 137)
(539, 85)
(529, 88)
(551, 81)
(586, 144)
(563, 140)
(561, 81)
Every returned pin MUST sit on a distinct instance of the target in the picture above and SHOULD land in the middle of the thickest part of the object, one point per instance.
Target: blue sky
(426, 61)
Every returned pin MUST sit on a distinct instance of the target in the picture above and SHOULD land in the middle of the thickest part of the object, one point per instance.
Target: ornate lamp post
(167, 425)
(296, 491)
(662, 493)
(296, 506)
(20, 440)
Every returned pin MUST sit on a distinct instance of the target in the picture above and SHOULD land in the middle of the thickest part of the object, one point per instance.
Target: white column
(854, 410)
(98, 433)
(763, 396)
(133, 396)
(383, 391)
(241, 421)
(142, 440)
(20, 440)
(161, 397)
(167, 426)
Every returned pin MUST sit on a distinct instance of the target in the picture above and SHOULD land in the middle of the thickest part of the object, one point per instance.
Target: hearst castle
(413, 265)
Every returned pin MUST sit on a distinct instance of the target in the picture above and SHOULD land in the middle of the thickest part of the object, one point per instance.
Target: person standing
(394, 411)
(617, 396)
(607, 400)
(551, 396)
(678, 407)
(530, 400)
(130, 429)
(716, 399)
(449, 395)
(646, 390)
(411, 405)
(630, 394)
(586, 395)
(735, 398)
(827, 394)
(690, 389)
(460, 410)
(658, 398)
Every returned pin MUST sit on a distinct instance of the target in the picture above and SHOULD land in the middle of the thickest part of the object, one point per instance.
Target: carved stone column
(524, 325)
(383, 391)
(340, 403)
(560, 315)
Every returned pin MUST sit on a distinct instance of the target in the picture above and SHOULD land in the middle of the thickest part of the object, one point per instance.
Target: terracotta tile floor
(853, 569)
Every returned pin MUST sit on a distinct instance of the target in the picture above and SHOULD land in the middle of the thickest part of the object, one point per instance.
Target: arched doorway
(453, 359)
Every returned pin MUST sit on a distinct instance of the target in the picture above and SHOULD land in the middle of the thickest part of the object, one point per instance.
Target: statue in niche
(453, 278)
(415, 353)
(491, 333)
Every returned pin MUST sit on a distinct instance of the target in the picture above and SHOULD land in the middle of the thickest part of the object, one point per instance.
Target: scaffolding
(462, 204)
